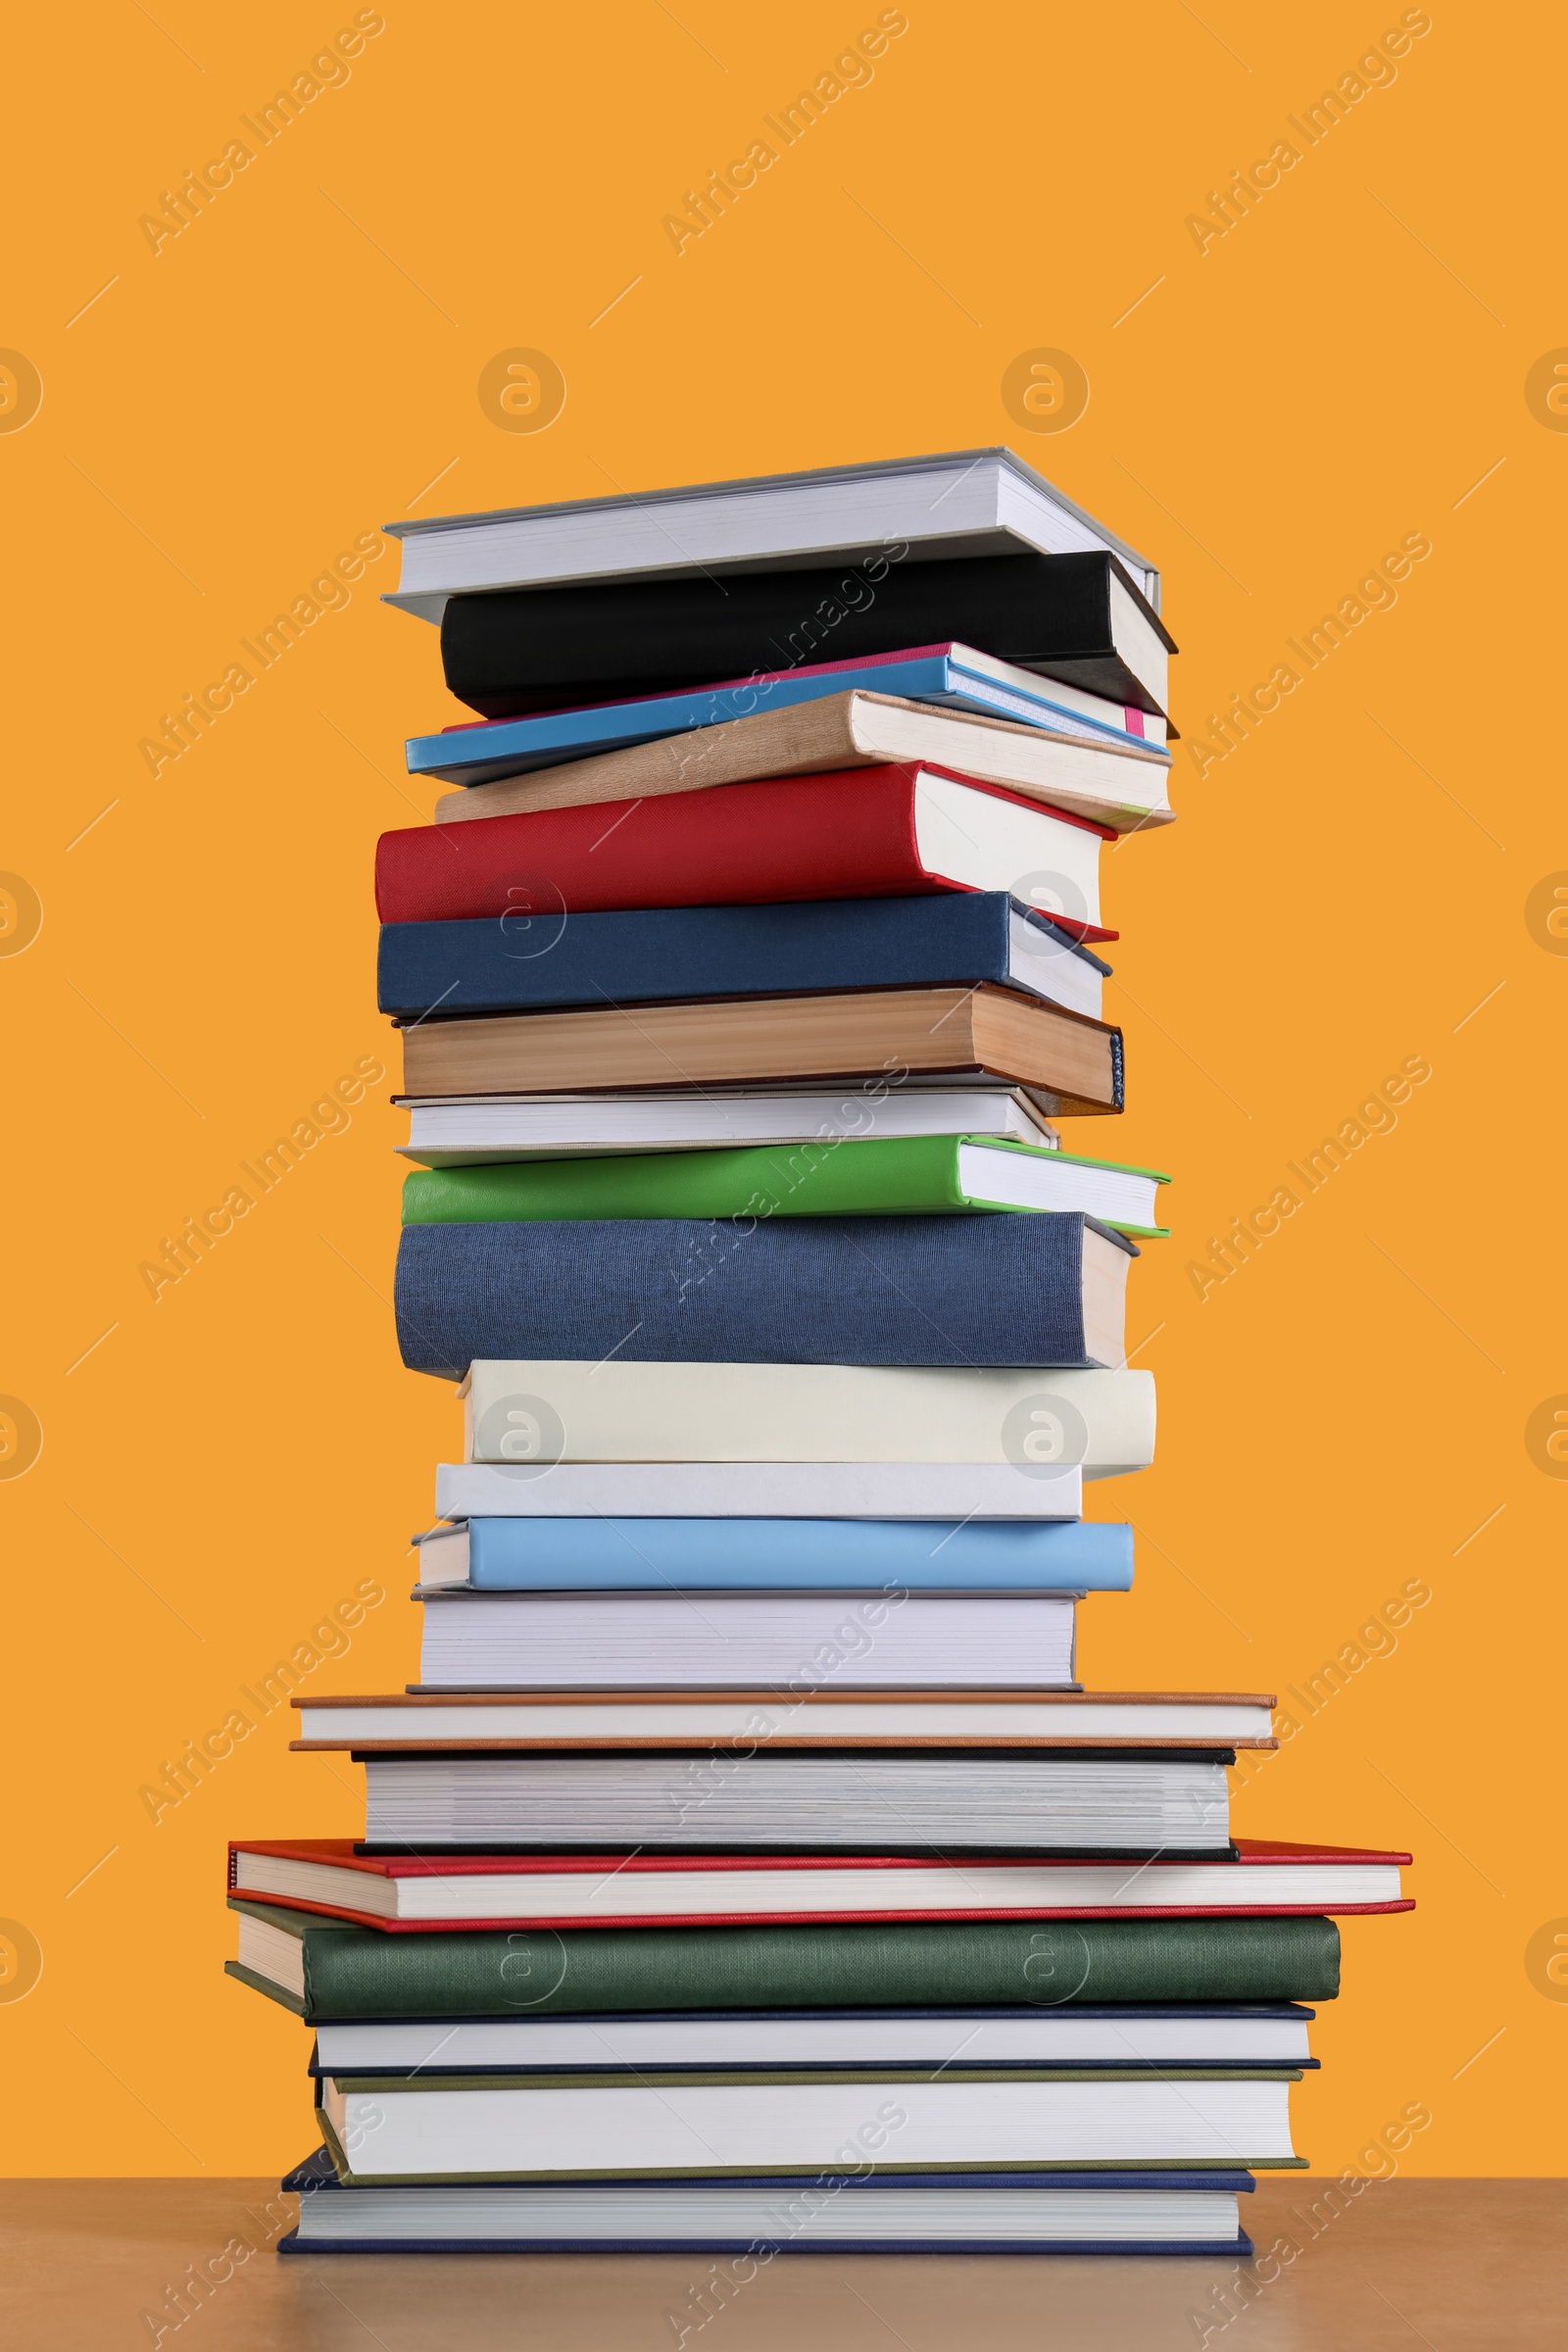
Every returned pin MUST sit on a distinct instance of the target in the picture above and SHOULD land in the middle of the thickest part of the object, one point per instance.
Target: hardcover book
(956, 2118)
(925, 1175)
(530, 1413)
(850, 1556)
(1070, 1064)
(846, 729)
(467, 1131)
(324, 1967)
(952, 677)
(1063, 2212)
(457, 1896)
(511, 964)
(1076, 619)
(651, 1640)
(971, 502)
(735, 1495)
(1038, 1291)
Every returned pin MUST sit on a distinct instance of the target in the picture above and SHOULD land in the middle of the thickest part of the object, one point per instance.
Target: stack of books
(748, 1869)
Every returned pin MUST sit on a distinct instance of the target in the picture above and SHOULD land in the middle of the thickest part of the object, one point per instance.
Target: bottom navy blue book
(754, 2219)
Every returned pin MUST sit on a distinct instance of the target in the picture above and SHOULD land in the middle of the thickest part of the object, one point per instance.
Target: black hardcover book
(1074, 617)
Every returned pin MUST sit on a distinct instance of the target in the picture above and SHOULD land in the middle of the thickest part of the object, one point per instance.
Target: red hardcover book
(450, 1892)
(856, 833)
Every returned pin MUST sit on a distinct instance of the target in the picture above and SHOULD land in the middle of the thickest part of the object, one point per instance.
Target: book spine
(1005, 1964)
(931, 1290)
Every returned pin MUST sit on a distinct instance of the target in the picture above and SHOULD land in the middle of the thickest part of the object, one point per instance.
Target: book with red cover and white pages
(445, 1893)
(905, 829)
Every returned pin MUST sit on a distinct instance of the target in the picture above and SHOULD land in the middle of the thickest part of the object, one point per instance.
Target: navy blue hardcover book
(686, 2218)
(660, 954)
(929, 1290)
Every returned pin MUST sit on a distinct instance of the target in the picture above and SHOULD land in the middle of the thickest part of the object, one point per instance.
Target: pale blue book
(851, 1555)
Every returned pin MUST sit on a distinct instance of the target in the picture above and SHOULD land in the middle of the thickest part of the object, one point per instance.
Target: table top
(1451, 2264)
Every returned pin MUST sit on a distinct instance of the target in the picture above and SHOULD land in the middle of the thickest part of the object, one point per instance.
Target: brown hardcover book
(1071, 1065)
(1111, 786)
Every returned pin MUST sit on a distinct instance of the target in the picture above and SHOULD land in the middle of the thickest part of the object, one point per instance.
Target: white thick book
(672, 2124)
(780, 1799)
(867, 2213)
(973, 502)
(751, 1490)
(1254, 2035)
(682, 1640)
(531, 1412)
(455, 1130)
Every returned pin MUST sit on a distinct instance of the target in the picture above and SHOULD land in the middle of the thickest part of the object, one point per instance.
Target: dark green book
(875, 1176)
(326, 1969)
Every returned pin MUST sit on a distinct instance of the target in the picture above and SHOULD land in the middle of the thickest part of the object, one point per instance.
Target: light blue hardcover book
(501, 1555)
(952, 676)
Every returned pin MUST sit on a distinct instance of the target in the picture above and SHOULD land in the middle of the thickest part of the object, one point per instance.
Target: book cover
(487, 749)
(1070, 1064)
(929, 1290)
(899, 1176)
(376, 1969)
(847, 1554)
(510, 652)
(513, 961)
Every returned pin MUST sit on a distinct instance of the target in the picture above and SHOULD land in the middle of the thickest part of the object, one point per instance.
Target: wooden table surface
(1450, 2264)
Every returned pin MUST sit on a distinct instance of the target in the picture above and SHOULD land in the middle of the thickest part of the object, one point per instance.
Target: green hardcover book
(327, 1969)
(893, 1176)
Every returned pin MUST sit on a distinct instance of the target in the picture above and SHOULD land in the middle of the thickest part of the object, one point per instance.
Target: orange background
(1341, 893)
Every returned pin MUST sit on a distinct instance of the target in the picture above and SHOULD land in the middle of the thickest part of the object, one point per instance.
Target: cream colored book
(546, 1411)
(1121, 789)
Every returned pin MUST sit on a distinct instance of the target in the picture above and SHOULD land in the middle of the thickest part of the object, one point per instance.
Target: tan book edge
(711, 1740)
(1064, 1699)
(849, 730)
(1003, 1695)
(1066, 1060)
